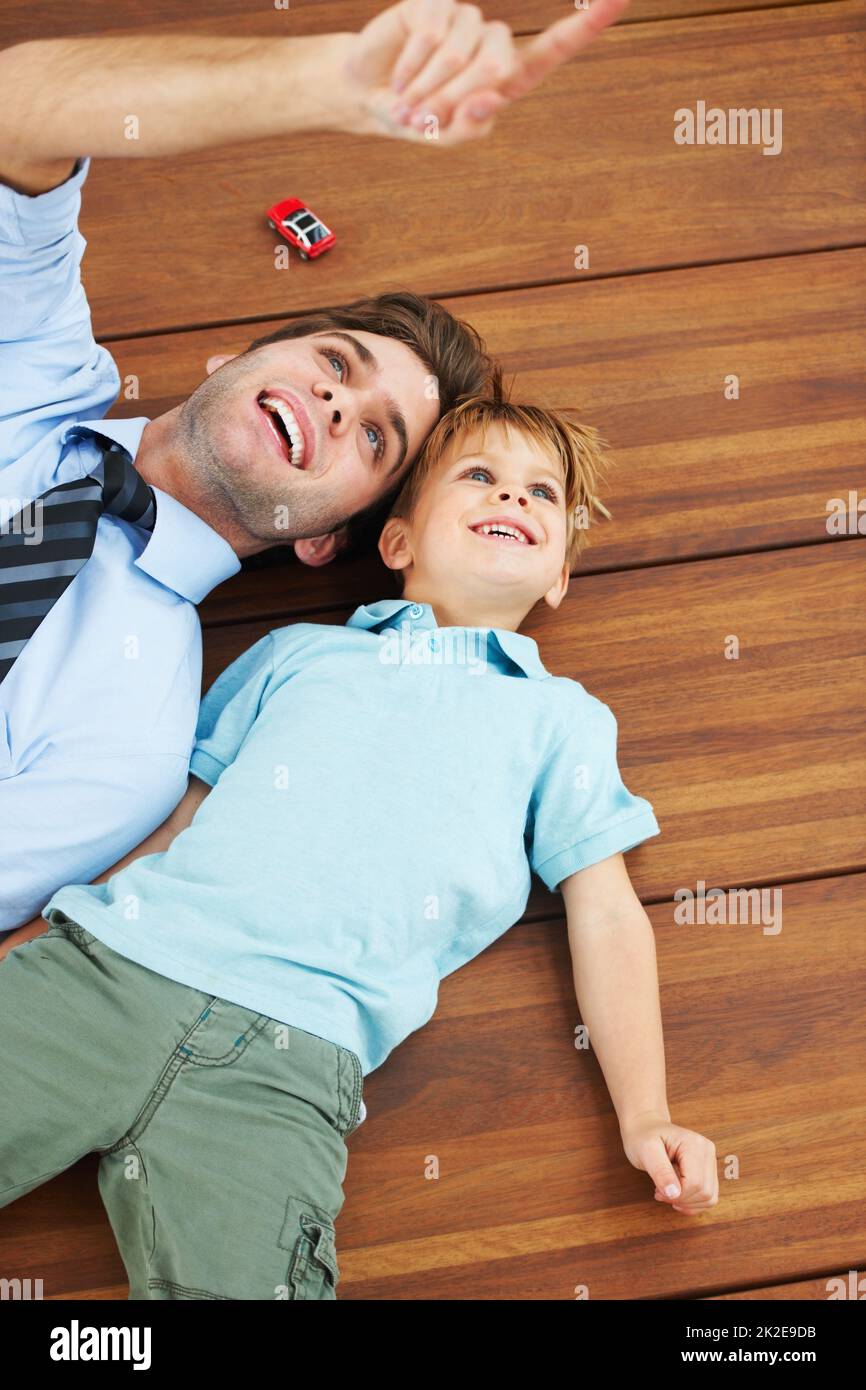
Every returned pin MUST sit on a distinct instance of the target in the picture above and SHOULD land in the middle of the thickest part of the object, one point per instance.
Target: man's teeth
(500, 530)
(280, 408)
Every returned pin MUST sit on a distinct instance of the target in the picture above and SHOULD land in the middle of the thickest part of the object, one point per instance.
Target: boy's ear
(319, 550)
(394, 546)
(556, 593)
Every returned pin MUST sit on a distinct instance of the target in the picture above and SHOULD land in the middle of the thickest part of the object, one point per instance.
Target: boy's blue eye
(543, 488)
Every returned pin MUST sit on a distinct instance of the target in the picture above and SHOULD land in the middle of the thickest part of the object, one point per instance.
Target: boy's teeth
(297, 439)
(500, 530)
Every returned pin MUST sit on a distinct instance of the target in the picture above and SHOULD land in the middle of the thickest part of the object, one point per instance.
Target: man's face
(356, 408)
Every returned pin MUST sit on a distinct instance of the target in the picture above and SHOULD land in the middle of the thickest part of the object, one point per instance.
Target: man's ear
(556, 593)
(394, 547)
(218, 360)
(320, 550)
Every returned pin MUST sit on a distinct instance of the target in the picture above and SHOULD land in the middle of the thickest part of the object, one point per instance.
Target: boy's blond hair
(579, 448)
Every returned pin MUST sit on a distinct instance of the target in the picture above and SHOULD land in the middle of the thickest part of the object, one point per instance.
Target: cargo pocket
(309, 1236)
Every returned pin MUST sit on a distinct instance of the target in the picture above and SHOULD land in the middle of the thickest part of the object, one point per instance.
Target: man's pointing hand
(438, 65)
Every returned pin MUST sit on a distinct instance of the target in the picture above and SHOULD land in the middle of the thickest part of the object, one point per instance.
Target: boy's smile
(504, 528)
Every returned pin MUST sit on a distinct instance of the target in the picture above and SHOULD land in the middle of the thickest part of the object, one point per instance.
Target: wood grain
(804, 1291)
(19, 22)
(645, 359)
(185, 241)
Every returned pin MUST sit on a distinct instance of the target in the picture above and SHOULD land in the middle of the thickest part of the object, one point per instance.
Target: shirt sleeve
(51, 369)
(581, 812)
(228, 710)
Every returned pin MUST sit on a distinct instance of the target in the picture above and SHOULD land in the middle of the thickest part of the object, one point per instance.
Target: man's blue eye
(378, 441)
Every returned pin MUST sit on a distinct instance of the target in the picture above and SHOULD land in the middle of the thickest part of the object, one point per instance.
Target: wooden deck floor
(703, 263)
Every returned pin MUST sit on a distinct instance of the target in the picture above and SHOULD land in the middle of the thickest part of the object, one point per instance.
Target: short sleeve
(228, 710)
(51, 369)
(581, 811)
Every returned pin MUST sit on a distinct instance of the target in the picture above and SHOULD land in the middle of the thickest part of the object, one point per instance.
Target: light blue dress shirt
(381, 790)
(98, 713)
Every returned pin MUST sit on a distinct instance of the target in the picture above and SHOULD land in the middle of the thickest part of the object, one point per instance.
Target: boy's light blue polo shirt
(381, 790)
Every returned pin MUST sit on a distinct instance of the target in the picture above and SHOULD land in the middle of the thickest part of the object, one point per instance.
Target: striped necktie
(43, 547)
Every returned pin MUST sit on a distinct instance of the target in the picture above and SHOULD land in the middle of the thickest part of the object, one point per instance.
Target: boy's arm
(158, 840)
(616, 983)
(615, 979)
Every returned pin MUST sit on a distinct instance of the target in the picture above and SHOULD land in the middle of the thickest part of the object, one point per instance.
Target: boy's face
(489, 528)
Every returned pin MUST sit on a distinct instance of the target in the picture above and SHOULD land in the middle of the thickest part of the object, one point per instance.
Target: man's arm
(159, 840)
(147, 96)
(616, 983)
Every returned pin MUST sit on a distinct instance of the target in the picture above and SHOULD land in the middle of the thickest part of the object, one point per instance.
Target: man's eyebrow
(396, 418)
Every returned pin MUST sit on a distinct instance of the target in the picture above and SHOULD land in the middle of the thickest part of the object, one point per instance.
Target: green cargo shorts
(221, 1131)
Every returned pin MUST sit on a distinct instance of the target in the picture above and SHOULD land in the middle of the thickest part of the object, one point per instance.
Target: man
(101, 560)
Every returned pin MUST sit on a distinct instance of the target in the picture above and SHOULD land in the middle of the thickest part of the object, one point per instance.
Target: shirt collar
(182, 552)
(391, 612)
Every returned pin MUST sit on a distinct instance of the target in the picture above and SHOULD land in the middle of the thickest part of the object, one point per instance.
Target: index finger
(559, 44)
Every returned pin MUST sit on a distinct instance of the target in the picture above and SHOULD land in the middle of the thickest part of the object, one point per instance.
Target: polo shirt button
(416, 610)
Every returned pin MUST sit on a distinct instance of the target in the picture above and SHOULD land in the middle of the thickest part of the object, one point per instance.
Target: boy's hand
(673, 1156)
(443, 59)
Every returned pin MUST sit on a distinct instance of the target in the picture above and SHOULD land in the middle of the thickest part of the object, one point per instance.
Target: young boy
(365, 806)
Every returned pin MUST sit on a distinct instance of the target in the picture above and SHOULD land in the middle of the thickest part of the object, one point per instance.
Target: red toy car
(301, 228)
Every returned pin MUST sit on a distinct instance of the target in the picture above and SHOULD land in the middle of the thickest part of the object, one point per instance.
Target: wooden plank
(645, 359)
(60, 1233)
(756, 767)
(805, 1290)
(534, 1196)
(620, 186)
(18, 22)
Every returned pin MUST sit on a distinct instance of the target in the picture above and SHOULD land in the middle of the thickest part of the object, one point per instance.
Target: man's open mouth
(284, 427)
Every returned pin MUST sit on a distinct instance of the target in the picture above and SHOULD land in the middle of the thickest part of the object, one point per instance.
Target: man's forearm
(616, 983)
(146, 96)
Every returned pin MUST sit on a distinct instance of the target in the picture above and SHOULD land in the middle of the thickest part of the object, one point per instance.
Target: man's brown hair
(452, 350)
(579, 449)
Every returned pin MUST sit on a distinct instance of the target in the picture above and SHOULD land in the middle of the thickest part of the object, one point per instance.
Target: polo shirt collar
(182, 552)
(390, 612)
